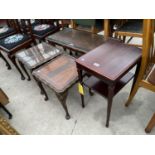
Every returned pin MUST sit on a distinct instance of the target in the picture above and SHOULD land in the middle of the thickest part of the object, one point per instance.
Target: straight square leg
(111, 89)
(81, 82)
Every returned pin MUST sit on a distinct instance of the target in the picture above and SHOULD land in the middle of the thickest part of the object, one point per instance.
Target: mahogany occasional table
(109, 65)
(36, 56)
(76, 40)
(59, 74)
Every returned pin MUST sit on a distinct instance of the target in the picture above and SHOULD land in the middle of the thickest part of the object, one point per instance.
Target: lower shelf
(100, 87)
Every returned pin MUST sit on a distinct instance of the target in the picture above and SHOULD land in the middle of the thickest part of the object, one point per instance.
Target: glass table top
(38, 55)
(77, 40)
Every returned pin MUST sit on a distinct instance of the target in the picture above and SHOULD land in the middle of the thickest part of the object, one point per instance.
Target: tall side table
(109, 66)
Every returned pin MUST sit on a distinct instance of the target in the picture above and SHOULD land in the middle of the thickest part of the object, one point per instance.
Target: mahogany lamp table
(109, 65)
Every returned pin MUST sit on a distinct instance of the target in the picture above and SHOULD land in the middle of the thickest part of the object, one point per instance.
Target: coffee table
(109, 65)
(36, 56)
(76, 40)
(59, 74)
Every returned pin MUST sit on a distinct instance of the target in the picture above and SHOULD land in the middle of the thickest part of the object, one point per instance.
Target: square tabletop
(59, 74)
(111, 60)
(37, 55)
(77, 40)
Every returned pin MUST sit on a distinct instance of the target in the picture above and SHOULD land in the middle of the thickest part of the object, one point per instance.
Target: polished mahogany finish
(59, 74)
(102, 88)
(111, 60)
(109, 65)
(76, 40)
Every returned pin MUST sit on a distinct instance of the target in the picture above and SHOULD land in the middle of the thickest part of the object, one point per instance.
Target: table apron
(104, 79)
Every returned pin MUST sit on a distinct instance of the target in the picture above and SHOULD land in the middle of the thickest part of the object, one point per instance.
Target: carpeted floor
(32, 115)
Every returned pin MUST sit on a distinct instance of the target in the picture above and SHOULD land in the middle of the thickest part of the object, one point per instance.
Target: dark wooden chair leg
(110, 99)
(129, 40)
(64, 48)
(120, 37)
(62, 98)
(70, 52)
(115, 36)
(34, 42)
(124, 38)
(40, 40)
(151, 124)
(7, 63)
(76, 53)
(13, 60)
(6, 110)
(24, 69)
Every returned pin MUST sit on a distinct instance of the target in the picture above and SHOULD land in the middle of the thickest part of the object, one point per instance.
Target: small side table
(36, 56)
(59, 74)
(109, 66)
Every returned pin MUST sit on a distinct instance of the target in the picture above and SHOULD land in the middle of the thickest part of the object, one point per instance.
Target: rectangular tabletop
(77, 40)
(59, 74)
(38, 55)
(111, 60)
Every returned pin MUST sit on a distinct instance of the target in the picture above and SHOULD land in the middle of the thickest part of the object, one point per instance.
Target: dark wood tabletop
(111, 60)
(59, 74)
(76, 40)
